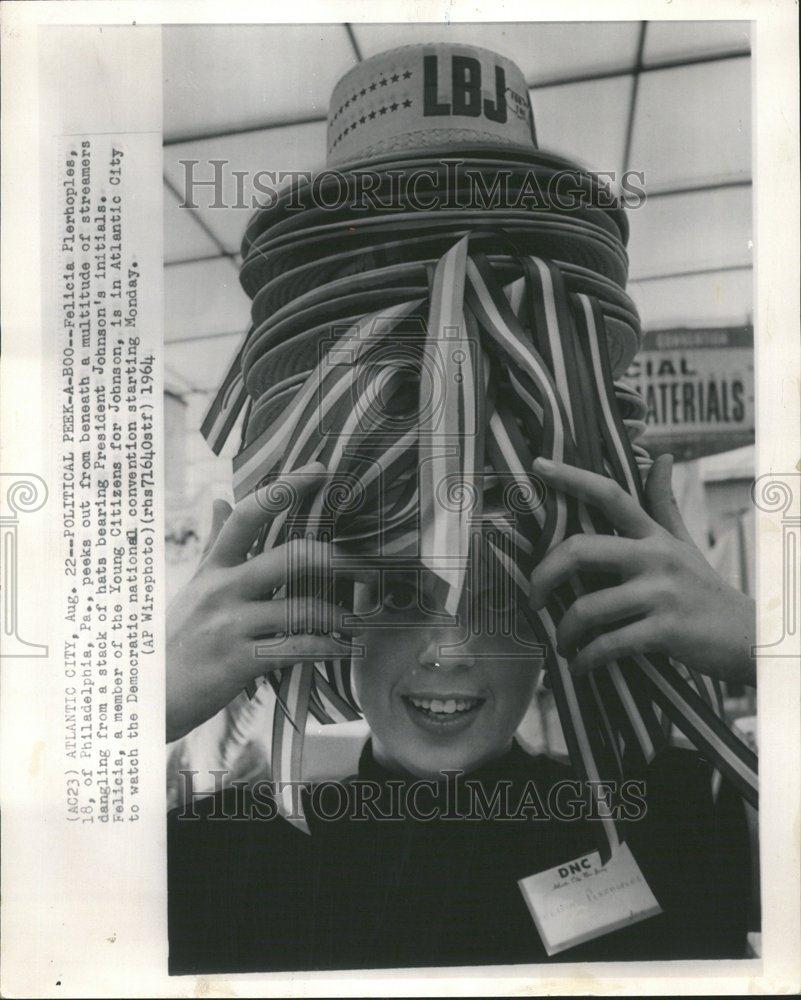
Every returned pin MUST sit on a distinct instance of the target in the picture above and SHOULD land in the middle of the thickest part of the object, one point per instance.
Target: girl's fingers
(633, 639)
(318, 563)
(591, 613)
(589, 553)
(259, 509)
(256, 657)
(267, 655)
(620, 509)
(298, 616)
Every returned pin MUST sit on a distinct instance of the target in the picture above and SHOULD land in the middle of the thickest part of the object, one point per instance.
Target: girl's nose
(437, 653)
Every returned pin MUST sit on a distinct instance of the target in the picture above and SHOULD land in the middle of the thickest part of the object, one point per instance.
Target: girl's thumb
(662, 504)
(220, 512)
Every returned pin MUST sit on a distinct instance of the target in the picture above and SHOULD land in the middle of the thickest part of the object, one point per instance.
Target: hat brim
(486, 158)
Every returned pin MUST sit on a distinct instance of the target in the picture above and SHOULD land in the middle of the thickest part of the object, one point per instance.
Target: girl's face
(438, 693)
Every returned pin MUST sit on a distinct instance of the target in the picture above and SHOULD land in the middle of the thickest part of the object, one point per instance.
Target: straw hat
(408, 111)
(429, 99)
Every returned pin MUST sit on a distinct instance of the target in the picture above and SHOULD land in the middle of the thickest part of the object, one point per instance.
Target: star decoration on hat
(386, 74)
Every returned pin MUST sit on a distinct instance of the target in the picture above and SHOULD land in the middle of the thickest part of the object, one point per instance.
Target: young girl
(415, 880)
(473, 321)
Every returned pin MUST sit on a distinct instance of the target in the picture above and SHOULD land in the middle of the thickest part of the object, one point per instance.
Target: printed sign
(698, 386)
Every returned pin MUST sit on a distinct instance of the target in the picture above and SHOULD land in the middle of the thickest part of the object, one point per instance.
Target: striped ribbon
(490, 358)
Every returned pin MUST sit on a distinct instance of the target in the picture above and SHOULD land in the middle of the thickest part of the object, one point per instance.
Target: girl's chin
(431, 764)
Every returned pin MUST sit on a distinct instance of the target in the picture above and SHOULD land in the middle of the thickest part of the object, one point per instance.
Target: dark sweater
(256, 894)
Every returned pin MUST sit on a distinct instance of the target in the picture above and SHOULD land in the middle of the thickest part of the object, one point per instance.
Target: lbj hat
(406, 113)
(429, 99)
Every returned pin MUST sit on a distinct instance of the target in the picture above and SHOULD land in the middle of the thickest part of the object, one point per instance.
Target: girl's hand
(667, 598)
(220, 618)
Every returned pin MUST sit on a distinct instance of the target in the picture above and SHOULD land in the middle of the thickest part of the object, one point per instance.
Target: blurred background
(669, 99)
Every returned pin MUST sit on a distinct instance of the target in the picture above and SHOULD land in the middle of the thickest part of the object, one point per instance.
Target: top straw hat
(429, 99)
(308, 263)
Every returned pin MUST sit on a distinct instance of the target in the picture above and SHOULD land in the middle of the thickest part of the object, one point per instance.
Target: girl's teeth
(448, 707)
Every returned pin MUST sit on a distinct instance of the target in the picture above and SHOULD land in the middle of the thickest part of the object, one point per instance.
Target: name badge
(581, 899)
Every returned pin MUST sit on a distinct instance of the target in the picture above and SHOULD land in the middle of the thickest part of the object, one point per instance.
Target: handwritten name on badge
(581, 899)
